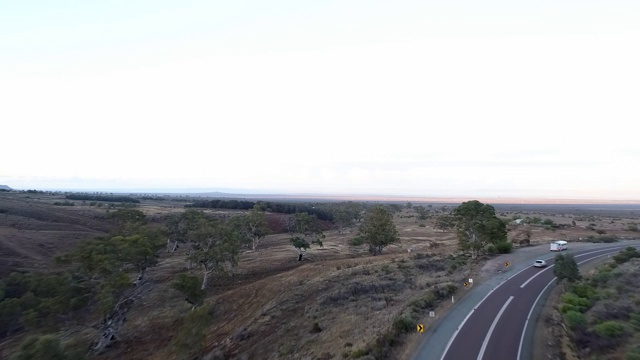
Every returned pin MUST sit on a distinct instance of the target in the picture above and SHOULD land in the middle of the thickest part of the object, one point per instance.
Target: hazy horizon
(412, 98)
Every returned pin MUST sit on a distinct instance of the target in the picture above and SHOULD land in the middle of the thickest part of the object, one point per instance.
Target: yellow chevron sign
(420, 328)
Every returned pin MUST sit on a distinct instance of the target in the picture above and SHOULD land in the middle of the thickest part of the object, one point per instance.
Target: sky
(534, 99)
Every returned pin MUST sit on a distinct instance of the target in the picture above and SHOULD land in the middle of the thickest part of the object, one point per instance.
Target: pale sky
(426, 98)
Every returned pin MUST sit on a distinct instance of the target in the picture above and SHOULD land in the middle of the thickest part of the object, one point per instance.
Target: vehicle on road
(558, 246)
(539, 263)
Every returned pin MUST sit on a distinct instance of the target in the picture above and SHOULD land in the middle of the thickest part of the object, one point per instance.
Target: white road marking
(534, 276)
(493, 325)
(524, 329)
(446, 349)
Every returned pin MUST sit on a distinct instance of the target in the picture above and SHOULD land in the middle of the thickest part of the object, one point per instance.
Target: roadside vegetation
(602, 310)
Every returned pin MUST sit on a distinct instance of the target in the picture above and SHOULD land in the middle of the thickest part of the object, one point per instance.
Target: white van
(558, 246)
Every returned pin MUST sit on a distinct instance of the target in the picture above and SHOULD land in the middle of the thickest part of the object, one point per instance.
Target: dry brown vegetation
(268, 310)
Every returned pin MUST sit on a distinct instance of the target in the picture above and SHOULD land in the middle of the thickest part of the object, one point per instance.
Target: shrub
(575, 320)
(64, 203)
(633, 354)
(356, 241)
(584, 291)
(316, 328)
(426, 302)
(579, 303)
(422, 225)
(45, 347)
(609, 329)
(504, 247)
(491, 249)
(633, 228)
(189, 285)
(403, 324)
(601, 232)
(356, 354)
(565, 308)
(626, 255)
(634, 320)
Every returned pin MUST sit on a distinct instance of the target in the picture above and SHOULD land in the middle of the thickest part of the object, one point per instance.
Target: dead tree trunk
(205, 280)
(114, 321)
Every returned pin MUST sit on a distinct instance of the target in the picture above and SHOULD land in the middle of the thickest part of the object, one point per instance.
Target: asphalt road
(496, 320)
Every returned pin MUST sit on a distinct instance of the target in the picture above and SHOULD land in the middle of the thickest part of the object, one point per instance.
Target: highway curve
(498, 322)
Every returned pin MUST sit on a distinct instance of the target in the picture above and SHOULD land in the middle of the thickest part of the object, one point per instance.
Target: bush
(64, 203)
(45, 347)
(316, 328)
(403, 324)
(356, 241)
(626, 255)
(579, 303)
(634, 320)
(565, 308)
(584, 291)
(575, 320)
(491, 249)
(601, 232)
(609, 329)
(633, 228)
(633, 354)
(504, 247)
(189, 286)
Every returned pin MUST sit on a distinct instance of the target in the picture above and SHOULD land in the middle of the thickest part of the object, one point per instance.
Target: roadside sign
(420, 328)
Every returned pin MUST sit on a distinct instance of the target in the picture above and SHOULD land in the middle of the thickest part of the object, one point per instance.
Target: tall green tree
(215, 247)
(378, 229)
(304, 232)
(138, 251)
(128, 221)
(445, 222)
(422, 212)
(177, 229)
(252, 226)
(477, 226)
(566, 268)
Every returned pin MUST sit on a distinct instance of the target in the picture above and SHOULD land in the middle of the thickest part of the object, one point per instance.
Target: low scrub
(601, 239)
(610, 329)
(504, 247)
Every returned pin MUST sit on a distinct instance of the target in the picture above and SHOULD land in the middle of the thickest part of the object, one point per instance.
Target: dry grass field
(268, 309)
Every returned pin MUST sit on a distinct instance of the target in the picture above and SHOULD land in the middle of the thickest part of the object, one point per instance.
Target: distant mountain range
(5, 187)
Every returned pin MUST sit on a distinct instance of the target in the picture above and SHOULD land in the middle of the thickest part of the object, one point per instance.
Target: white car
(539, 263)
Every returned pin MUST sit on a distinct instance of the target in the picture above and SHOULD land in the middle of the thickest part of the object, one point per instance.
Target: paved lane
(494, 326)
